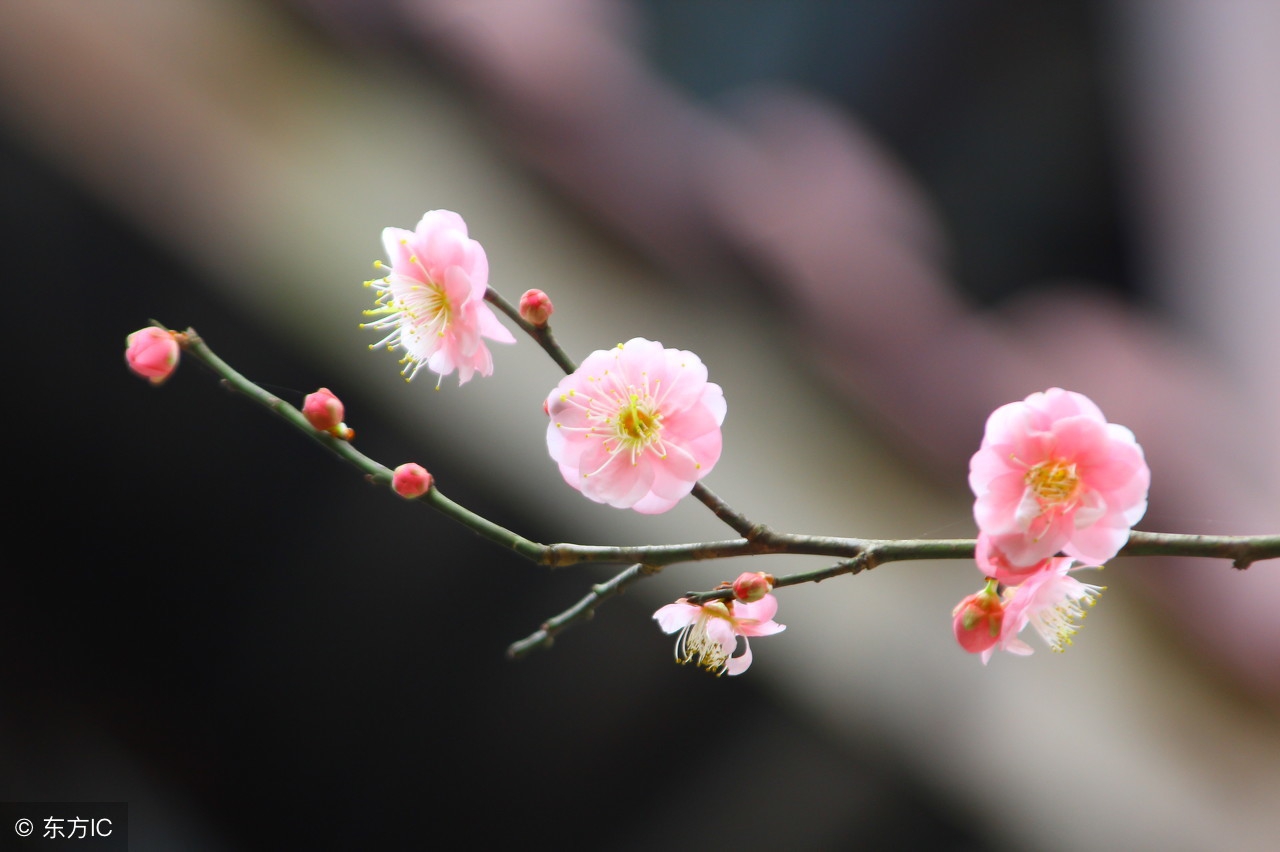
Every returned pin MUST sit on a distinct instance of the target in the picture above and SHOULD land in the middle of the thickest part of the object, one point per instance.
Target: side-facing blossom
(709, 632)
(1051, 601)
(1053, 475)
(431, 302)
(152, 353)
(636, 426)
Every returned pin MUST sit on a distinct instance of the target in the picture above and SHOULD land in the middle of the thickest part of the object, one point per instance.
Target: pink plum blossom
(152, 353)
(1051, 601)
(1053, 475)
(636, 426)
(411, 480)
(709, 632)
(432, 301)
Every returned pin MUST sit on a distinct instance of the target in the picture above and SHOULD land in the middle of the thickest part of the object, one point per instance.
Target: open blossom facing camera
(1053, 475)
(636, 426)
(432, 301)
(709, 632)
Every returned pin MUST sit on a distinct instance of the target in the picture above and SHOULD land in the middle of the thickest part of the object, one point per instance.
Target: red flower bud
(411, 480)
(152, 353)
(536, 308)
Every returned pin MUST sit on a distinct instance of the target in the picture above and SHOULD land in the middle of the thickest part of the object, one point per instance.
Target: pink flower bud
(536, 307)
(323, 410)
(751, 586)
(411, 480)
(152, 353)
(977, 620)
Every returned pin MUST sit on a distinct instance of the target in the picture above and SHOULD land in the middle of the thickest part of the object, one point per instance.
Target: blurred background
(874, 221)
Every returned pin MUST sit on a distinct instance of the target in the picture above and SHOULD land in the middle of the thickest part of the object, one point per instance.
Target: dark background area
(1003, 110)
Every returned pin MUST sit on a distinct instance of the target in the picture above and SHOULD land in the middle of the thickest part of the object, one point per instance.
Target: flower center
(427, 305)
(638, 422)
(696, 643)
(1054, 482)
(408, 306)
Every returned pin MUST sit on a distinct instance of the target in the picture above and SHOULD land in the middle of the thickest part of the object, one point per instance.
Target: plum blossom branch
(541, 334)
(858, 553)
(583, 610)
(374, 471)
(855, 555)
(1057, 487)
(1242, 550)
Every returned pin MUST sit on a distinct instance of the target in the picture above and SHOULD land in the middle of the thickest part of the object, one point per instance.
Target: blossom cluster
(1056, 488)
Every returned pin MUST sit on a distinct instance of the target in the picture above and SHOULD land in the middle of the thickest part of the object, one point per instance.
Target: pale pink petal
(1058, 404)
(395, 241)
(1009, 419)
(490, 327)
(985, 465)
(1028, 510)
(720, 631)
(739, 664)
(997, 508)
(706, 450)
(1026, 550)
(995, 563)
(441, 220)
(442, 362)
(1097, 544)
(762, 610)
(690, 423)
(1081, 440)
(685, 379)
(1091, 509)
(652, 504)
(765, 628)
(671, 480)
(675, 616)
